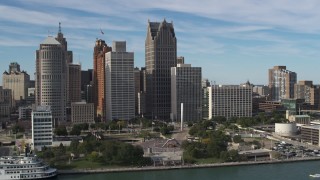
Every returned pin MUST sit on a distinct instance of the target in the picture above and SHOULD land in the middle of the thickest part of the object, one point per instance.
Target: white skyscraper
(51, 77)
(120, 97)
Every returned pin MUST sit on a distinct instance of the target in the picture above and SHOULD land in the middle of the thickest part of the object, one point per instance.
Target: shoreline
(190, 166)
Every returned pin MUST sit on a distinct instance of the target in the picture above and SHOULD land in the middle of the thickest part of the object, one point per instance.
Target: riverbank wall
(189, 166)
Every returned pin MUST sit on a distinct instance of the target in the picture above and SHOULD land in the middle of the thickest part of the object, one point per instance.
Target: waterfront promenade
(158, 168)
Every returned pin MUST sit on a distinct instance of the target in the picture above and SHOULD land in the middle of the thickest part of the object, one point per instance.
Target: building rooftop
(301, 115)
(312, 126)
(50, 40)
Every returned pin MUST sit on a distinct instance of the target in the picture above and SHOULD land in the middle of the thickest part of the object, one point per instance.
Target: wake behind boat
(315, 175)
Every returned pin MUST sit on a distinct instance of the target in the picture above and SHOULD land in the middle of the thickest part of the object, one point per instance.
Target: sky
(232, 40)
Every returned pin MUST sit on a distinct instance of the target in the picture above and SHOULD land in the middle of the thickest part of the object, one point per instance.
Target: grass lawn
(208, 161)
(83, 164)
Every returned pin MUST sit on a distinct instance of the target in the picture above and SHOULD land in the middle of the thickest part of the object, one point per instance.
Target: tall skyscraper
(206, 93)
(232, 100)
(120, 90)
(137, 88)
(5, 104)
(281, 83)
(100, 49)
(186, 89)
(74, 88)
(51, 77)
(160, 56)
(16, 80)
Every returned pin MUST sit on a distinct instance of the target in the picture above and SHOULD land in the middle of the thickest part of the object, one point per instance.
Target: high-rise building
(186, 89)
(42, 125)
(120, 90)
(86, 80)
(205, 99)
(51, 78)
(100, 49)
(17, 81)
(137, 87)
(307, 91)
(160, 56)
(232, 100)
(5, 104)
(141, 99)
(281, 83)
(74, 88)
(143, 80)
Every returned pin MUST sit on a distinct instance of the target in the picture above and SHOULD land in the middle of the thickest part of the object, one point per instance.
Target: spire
(59, 27)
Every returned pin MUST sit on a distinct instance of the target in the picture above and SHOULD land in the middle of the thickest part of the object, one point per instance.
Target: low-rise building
(310, 134)
(25, 113)
(82, 112)
(42, 126)
(300, 119)
(286, 129)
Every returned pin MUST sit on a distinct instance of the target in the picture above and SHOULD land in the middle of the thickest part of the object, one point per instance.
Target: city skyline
(232, 42)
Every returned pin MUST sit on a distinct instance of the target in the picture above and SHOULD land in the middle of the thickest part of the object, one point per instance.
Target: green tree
(61, 131)
(219, 119)
(218, 143)
(17, 128)
(237, 139)
(93, 156)
(74, 145)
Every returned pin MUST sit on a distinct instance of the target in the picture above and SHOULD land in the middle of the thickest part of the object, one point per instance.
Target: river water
(281, 171)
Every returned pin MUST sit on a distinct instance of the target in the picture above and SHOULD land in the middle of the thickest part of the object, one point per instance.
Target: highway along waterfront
(278, 171)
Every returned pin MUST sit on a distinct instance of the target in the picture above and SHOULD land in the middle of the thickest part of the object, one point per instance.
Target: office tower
(86, 80)
(205, 99)
(141, 99)
(232, 100)
(74, 88)
(143, 79)
(120, 91)
(160, 56)
(186, 89)
(5, 104)
(62, 40)
(82, 112)
(307, 91)
(42, 125)
(137, 88)
(17, 81)
(51, 78)
(281, 83)
(100, 49)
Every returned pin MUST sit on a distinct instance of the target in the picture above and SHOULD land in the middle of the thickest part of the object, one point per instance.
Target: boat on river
(28, 166)
(315, 175)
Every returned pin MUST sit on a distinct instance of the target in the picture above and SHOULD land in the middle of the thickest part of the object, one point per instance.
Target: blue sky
(232, 40)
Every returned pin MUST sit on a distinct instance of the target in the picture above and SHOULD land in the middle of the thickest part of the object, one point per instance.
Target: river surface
(281, 171)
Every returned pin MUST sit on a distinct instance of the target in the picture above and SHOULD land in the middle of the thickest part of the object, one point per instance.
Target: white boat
(315, 175)
(24, 167)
